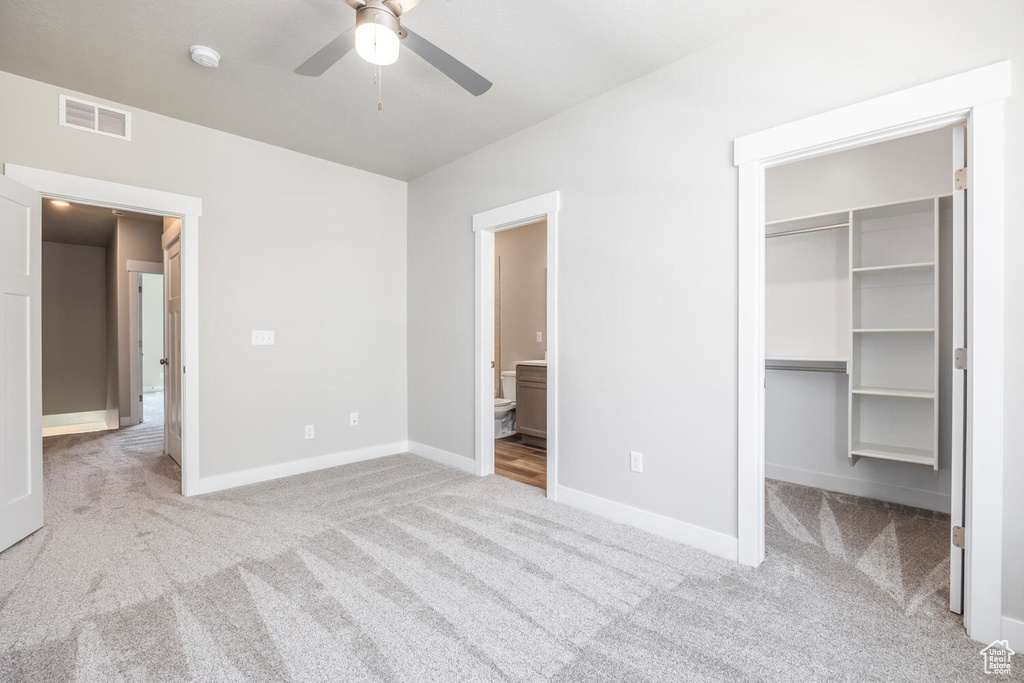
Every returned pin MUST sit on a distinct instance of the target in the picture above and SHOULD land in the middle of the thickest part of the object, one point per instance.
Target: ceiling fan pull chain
(380, 88)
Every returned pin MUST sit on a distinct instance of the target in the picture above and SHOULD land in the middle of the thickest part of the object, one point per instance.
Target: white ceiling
(543, 56)
(88, 226)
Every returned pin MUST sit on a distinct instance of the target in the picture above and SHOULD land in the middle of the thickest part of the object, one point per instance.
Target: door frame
(977, 98)
(81, 190)
(485, 225)
(135, 269)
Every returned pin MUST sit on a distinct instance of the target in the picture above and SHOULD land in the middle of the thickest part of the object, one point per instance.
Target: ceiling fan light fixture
(377, 38)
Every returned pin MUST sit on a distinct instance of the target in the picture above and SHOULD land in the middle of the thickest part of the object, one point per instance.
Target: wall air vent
(97, 118)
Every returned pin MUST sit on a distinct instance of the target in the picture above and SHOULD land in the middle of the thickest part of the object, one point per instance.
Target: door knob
(163, 361)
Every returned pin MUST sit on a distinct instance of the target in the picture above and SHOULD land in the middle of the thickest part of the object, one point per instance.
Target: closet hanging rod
(804, 368)
(802, 230)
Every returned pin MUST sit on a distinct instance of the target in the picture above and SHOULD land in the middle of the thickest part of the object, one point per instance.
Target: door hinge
(960, 178)
(140, 289)
(140, 397)
(959, 537)
(960, 359)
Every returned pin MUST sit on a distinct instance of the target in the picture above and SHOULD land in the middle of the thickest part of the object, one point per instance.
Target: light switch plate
(540, 337)
(262, 337)
(309, 432)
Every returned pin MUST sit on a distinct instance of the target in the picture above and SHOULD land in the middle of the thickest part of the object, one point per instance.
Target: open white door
(958, 398)
(172, 340)
(21, 404)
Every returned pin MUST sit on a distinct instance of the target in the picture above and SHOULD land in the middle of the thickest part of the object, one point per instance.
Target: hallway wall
(137, 240)
(74, 329)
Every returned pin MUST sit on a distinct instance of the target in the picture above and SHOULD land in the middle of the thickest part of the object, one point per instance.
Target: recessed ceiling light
(205, 56)
(59, 202)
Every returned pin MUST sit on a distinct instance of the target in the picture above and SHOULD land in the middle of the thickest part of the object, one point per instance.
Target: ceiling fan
(376, 37)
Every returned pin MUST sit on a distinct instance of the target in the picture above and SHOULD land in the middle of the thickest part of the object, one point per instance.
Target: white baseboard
(929, 500)
(66, 419)
(1013, 631)
(256, 475)
(126, 421)
(74, 423)
(713, 542)
(444, 457)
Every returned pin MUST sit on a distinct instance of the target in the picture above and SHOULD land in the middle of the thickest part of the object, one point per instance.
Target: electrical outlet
(353, 419)
(540, 337)
(636, 461)
(309, 431)
(262, 337)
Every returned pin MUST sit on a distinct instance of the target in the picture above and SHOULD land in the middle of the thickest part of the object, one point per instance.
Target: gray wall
(306, 247)
(152, 330)
(137, 240)
(74, 329)
(522, 258)
(906, 168)
(648, 247)
(806, 412)
(113, 402)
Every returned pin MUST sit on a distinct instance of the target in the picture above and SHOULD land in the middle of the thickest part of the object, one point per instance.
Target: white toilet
(505, 408)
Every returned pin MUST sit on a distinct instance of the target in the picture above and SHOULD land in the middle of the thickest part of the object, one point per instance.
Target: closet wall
(806, 430)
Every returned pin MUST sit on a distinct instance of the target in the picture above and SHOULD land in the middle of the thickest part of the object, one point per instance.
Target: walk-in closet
(863, 312)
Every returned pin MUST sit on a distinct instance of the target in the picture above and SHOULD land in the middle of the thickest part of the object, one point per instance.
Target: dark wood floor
(516, 460)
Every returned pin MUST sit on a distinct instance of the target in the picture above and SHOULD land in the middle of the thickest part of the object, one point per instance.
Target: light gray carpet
(399, 569)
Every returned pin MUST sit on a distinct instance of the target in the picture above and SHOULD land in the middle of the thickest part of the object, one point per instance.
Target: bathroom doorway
(520, 353)
(487, 226)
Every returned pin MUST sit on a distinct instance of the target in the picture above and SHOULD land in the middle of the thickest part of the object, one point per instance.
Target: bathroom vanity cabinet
(532, 404)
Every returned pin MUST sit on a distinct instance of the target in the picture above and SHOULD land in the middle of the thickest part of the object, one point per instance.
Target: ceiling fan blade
(329, 54)
(446, 64)
(408, 5)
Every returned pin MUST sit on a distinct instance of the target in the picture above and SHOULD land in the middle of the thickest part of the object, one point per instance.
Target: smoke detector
(205, 56)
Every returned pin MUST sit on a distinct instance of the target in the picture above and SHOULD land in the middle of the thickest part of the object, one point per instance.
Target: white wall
(806, 412)
(74, 329)
(306, 247)
(522, 261)
(648, 250)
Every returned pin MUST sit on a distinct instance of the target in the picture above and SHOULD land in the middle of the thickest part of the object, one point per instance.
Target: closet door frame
(975, 98)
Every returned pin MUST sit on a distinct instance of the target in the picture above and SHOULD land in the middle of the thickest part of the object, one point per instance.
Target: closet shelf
(914, 456)
(895, 330)
(894, 393)
(898, 268)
